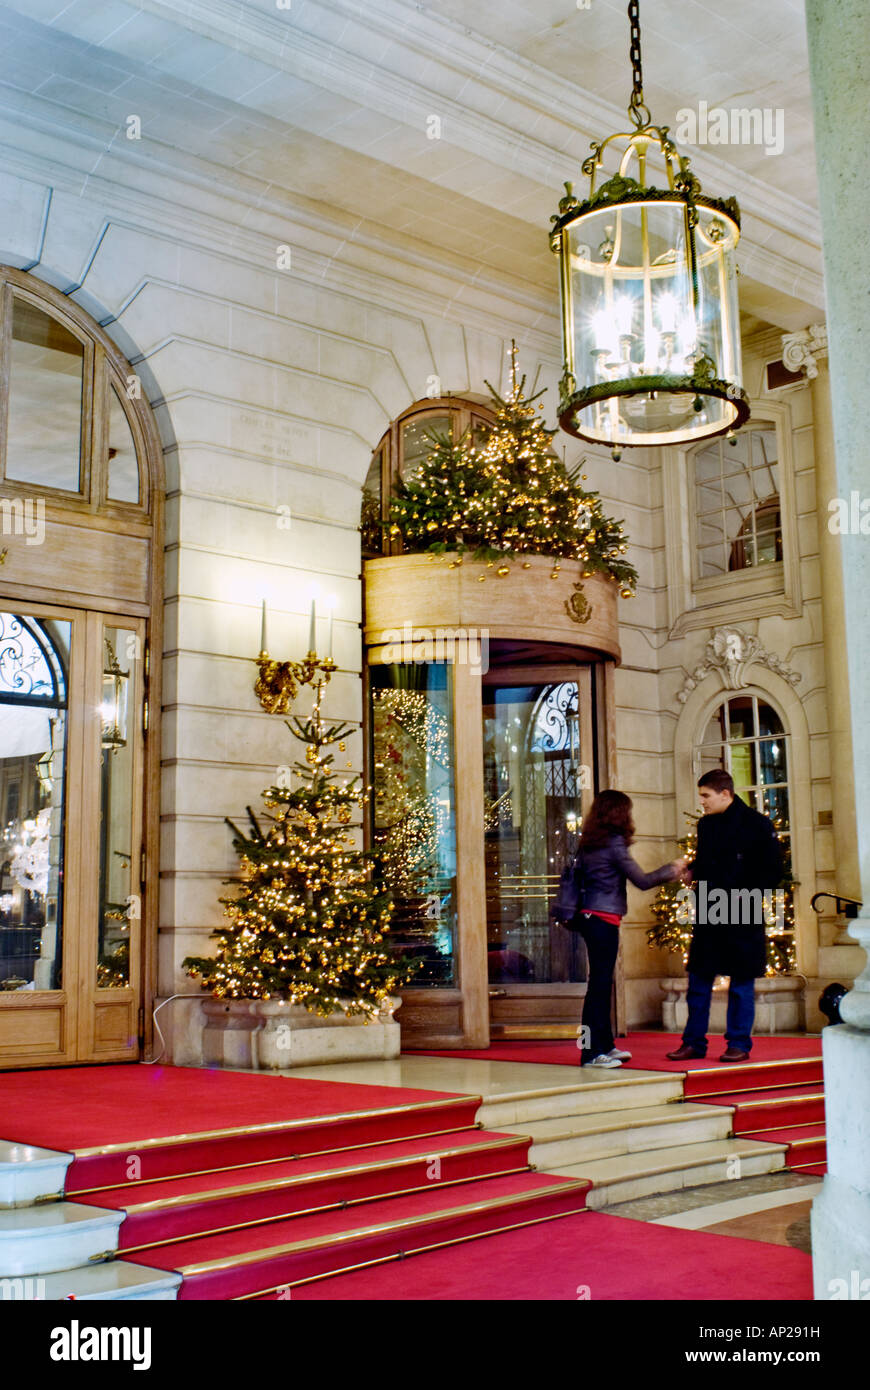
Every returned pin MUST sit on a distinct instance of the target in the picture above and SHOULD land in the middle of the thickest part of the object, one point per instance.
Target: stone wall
(271, 384)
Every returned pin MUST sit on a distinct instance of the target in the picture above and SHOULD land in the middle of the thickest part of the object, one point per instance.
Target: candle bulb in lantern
(623, 308)
(667, 310)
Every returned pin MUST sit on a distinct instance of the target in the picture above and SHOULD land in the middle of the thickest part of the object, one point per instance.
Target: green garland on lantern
(672, 928)
(509, 495)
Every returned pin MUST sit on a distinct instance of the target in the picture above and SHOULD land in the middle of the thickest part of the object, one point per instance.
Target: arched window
(80, 603)
(408, 440)
(737, 503)
(746, 737)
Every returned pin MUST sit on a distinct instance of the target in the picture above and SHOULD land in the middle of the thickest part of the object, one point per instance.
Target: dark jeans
(602, 946)
(739, 1020)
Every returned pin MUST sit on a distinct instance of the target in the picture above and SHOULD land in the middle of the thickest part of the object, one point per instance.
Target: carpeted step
(702, 1081)
(755, 1112)
(238, 1264)
(185, 1207)
(624, 1177)
(592, 1256)
(111, 1165)
(110, 1282)
(806, 1143)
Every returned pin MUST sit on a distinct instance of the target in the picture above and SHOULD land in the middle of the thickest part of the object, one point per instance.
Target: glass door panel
(34, 662)
(119, 906)
(414, 811)
(537, 782)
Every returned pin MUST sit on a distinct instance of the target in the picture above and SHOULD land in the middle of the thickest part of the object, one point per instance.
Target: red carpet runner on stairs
(247, 1184)
(273, 1187)
(778, 1095)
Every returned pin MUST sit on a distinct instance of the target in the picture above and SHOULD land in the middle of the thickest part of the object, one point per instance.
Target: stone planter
(779, 1005)
(269, 1035)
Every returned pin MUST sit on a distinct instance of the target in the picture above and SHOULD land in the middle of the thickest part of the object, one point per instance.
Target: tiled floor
(773, 1207)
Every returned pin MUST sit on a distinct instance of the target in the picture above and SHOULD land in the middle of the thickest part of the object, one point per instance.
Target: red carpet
(77, 1107)
(647, 1051)
(593, 1256)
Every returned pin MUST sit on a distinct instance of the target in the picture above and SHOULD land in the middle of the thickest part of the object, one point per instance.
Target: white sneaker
(618, 1055)
(603, 1061)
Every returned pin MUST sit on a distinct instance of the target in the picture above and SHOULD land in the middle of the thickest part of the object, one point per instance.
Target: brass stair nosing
(325, 1206)
(318, 1175)
(271, 1127)
(262, 1162)
(406, 1254)
(360, 1233)
(754, 1091)
(804, 1125)
(741, 1067)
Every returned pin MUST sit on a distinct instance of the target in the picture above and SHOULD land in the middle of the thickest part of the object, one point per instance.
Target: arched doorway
(80, 602)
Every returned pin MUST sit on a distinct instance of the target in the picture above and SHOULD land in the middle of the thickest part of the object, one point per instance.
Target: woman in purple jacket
(603, 865)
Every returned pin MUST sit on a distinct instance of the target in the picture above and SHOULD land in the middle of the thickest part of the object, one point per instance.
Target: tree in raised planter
(309, 921)
(509, 496)
(673, 911)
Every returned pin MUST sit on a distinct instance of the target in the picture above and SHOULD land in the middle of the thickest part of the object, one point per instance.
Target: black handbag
(569, 896)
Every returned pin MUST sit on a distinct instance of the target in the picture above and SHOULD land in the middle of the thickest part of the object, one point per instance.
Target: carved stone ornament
(729, 652)
(800, 350)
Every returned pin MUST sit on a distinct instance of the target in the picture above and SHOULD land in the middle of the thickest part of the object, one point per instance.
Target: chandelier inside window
(649, 294)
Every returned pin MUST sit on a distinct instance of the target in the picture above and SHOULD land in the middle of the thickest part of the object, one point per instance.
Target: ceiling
(329, 108)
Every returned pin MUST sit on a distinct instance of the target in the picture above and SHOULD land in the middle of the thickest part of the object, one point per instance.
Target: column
(839, 49)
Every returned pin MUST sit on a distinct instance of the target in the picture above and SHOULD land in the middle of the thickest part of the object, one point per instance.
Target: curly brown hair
(609, 814)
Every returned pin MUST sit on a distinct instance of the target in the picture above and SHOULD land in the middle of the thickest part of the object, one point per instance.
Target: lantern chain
(637, 109)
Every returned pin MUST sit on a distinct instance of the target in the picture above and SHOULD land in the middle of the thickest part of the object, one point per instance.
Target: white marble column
(839, 48)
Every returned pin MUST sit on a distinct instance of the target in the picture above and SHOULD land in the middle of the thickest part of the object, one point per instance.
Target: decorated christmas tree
(673, 912)
(309, 921)
(508, 496)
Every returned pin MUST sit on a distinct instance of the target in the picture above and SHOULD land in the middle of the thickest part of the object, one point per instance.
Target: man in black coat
(736, 870)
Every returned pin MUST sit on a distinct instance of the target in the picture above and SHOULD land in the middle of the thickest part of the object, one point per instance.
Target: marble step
(619, 1089)
(624, 1177)
(575, 1138)
(56, 1236)
(113, 1280)
(29, 1174)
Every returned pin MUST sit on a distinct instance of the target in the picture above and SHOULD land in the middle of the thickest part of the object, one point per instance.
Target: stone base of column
(841, 1213)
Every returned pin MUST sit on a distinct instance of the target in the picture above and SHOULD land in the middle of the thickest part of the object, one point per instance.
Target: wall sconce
(279, 681)
(113, 710)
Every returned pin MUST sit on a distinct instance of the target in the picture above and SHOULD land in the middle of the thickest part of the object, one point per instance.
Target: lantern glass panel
(634, 311)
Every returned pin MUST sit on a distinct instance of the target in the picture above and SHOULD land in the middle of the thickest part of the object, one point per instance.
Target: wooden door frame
(584, 673)
(97, 514)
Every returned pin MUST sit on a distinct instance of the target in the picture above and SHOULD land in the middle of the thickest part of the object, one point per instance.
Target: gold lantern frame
(678, 394)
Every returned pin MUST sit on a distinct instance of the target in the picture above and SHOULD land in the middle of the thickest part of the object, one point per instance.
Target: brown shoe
(734, 1054)
(685, 1053)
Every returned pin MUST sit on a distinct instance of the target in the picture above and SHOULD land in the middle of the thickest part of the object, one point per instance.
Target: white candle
(312, 631)
(667, 309)
(623, 308)
(331, 622)
(263, 638)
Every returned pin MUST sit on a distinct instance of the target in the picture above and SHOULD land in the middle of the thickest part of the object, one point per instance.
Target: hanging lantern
(113, 710)
(649, 295)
